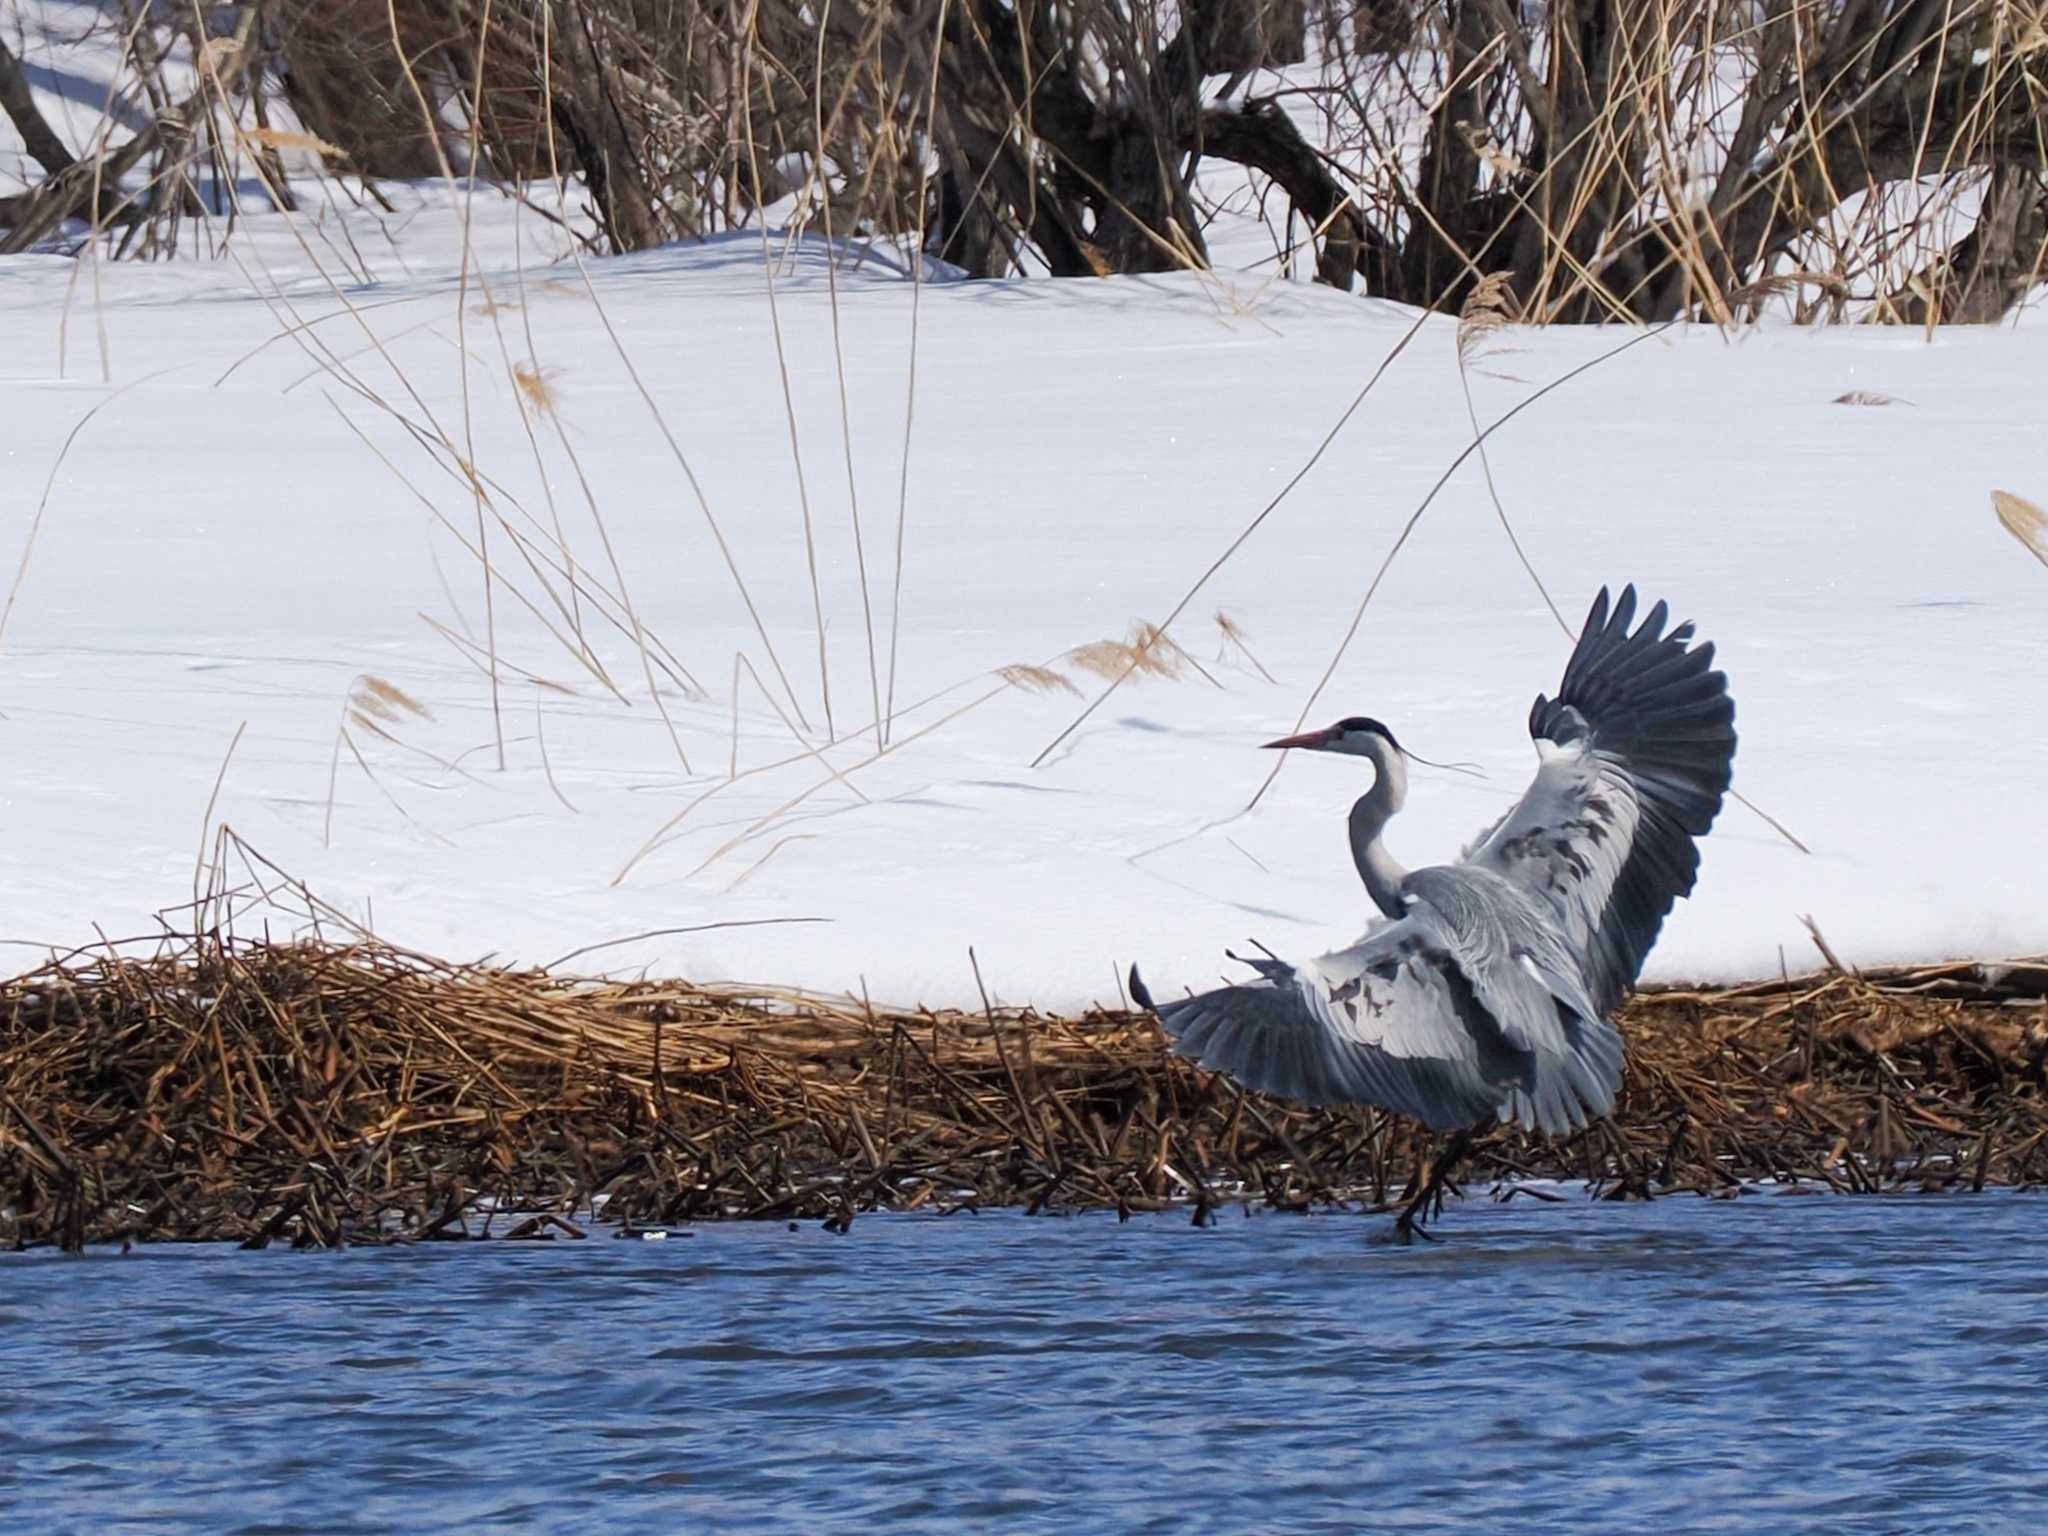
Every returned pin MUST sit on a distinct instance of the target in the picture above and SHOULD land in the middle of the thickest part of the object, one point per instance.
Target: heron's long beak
(1311, 741)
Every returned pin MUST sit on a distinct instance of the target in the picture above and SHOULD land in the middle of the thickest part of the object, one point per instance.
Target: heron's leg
(1429, 1199)
(1449, 1163)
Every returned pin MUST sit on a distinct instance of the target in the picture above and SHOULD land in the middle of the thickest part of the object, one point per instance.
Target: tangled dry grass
(324, 1094)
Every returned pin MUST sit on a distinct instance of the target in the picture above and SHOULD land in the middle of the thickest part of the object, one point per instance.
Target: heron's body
(1484, 988)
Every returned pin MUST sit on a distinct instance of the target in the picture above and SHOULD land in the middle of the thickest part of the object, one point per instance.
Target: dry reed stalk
(917, 260)
(330, 1093)
(818, 162)
(1415, 518)
(35, 524)
(644, 642)
(1258, 520)
(796, 454)
(1489, 310)
(462, 465)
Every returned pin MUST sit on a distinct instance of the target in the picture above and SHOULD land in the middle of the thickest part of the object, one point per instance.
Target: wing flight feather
(1635, 754)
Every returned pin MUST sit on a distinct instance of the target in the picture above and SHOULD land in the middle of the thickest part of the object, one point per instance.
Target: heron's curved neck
(1369, 818)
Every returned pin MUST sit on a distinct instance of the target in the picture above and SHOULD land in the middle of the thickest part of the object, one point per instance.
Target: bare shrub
(1615, 159)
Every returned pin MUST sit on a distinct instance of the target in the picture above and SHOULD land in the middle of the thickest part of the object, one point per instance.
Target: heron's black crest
(1367, 724)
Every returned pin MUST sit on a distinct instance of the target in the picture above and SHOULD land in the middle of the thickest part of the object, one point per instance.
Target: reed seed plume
(1489, 308)
(537, 385)
(1157, 652)
(1234, 638)
(1034, 679)
(387, 699)
(2024, 521)
(1145, 651)
(372, 705)
(1104, 658)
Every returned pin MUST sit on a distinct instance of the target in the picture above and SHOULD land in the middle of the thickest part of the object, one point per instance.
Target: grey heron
(1484, 988)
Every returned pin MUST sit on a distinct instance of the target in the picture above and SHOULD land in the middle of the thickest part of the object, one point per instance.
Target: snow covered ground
(263, 510)
(220, 547)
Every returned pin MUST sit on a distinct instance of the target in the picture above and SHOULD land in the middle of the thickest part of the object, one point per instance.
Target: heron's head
(1355, 736)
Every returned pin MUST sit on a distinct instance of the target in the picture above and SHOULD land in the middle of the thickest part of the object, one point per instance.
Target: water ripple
(1863, 1365)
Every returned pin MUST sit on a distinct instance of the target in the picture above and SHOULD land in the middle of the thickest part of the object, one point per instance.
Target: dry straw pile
(332, 1094)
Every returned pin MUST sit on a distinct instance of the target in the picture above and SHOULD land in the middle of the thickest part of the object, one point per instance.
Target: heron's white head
(1354, 736)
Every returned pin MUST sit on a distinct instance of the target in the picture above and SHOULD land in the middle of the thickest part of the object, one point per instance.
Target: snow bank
(224, 547)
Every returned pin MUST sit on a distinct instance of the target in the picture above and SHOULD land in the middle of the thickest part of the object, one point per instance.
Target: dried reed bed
(324, 1094)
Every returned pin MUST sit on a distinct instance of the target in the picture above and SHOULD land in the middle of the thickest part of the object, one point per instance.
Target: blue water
(1767, 1364)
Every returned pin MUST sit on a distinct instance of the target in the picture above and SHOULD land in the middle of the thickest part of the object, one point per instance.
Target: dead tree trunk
(19, 103)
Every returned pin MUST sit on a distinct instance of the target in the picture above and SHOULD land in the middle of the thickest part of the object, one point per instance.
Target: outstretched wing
(1635, 756)
(1398, 1021)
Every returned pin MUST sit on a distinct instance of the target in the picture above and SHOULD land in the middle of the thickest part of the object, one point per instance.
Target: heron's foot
(1427, 1205)
(1428, 1201)
(1408, 1227)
